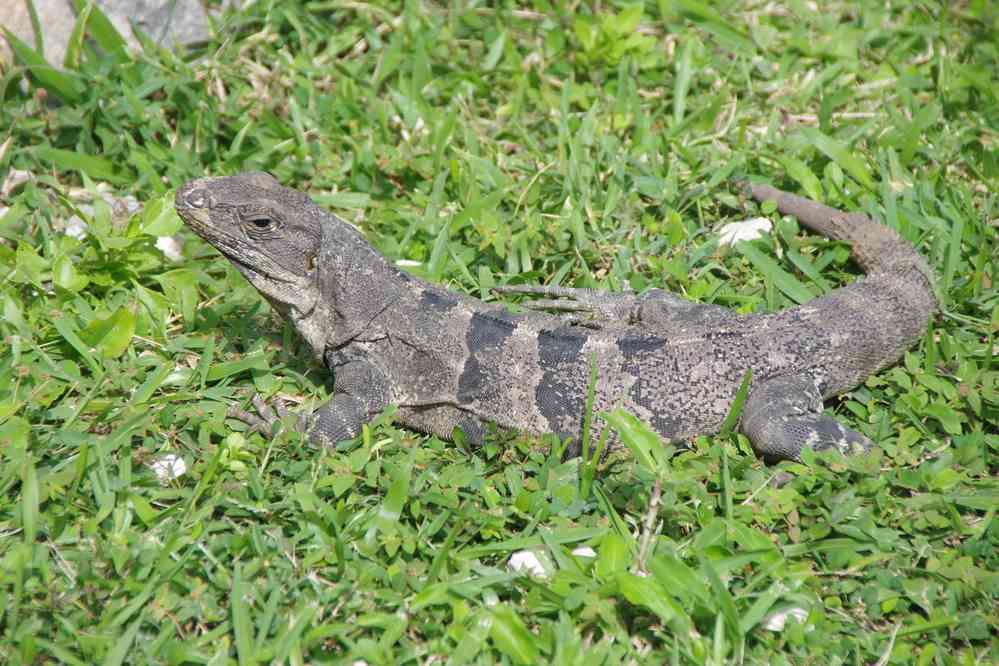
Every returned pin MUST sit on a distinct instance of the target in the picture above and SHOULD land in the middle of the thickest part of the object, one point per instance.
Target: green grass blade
(99, 26)
(77, 40)
(257, 361)
(242, 627)
(62, 654)
(724, 600)
(511, 636)
(36, 26)
(800, 172)
(953, 250)
(152, 382)
(289, 640)
(96, 167)
(523, 543)
(117, 655)
(69, 333)
(732, 418)
(839, 153)
(639, 439)
(681, 84)
(784, 281)
(708, 18)
(29, 501)
(56, 82)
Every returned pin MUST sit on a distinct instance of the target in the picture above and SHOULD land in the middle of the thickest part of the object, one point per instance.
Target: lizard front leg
(654, 310)
(360, 392)
(784, 415)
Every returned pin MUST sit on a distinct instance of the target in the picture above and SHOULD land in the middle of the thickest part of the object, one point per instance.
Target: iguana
(447, 360)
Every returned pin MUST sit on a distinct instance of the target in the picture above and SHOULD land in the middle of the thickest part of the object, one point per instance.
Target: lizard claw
(266, 421)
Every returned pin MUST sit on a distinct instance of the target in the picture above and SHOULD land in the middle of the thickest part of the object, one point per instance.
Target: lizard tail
(884, 312)
(876, 248)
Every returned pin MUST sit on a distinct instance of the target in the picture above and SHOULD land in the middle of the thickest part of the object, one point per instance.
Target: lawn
(584, 144)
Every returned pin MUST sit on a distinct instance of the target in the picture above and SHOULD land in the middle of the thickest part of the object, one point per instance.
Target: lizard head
(271, 234)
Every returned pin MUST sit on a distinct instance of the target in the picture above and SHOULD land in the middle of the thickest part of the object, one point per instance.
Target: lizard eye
(261, 222)
(259, 219)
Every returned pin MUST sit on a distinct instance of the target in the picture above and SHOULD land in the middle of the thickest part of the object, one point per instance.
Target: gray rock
(168, 22)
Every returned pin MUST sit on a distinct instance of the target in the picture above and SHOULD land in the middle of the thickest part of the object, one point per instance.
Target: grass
(583, 144)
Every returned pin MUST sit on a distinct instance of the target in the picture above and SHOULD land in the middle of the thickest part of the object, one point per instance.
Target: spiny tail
(876, 248)
(896, 299)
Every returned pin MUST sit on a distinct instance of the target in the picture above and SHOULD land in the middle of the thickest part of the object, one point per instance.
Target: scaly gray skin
(450, 361)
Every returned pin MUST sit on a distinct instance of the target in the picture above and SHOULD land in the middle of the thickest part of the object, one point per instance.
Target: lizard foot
(266, 421)
(783, 415)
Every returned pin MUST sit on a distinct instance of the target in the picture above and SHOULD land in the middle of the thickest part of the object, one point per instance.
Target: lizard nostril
(198, 198)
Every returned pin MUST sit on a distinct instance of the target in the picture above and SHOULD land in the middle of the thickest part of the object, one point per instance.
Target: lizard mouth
(249, 261)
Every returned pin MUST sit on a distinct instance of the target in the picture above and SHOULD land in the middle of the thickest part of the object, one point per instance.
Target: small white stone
(14, 178)
(527, 562)
(746, 230)
(169, 467)
(170, 247)
(123, 206)
(76, 228)
(584, 551)
(530, 61)
(776, 621)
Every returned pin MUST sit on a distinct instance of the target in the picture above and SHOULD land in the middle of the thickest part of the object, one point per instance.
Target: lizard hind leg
(784, 415)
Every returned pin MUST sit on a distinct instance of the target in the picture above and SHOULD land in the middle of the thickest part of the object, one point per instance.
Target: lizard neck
(356, 286)
(314, 326)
